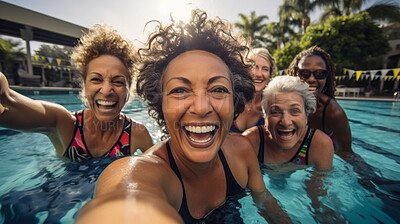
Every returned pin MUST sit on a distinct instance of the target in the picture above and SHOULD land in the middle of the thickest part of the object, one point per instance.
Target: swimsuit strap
(323, 114)
(184, 209)
(301, 157)
(232, 186)
(260, 155)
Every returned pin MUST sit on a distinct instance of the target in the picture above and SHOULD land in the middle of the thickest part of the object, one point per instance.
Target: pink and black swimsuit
(78, 151)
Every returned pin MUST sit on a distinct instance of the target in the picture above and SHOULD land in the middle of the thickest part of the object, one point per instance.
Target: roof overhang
(30, 25)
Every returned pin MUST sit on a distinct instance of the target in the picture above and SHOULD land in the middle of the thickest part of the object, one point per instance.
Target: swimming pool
(38, 187)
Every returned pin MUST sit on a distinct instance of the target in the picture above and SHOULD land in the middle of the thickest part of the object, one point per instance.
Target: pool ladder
(396, 96)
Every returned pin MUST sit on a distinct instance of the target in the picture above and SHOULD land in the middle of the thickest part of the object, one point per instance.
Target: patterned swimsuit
(300, 158)
(78, 151)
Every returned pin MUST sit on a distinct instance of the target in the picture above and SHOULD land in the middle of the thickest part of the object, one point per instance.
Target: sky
(130, 16)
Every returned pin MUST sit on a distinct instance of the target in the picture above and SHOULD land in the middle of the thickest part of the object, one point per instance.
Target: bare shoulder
(335, 111)
(321, 139)
(238, 147)
(237, 143)
(321, 151)
(253, 135)
(251, 132)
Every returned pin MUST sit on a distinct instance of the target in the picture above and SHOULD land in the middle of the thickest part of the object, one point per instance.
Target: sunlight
(179, 9)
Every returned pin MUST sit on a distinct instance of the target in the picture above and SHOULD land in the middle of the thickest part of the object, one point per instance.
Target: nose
(201, 105)
(257, 71)
(285, 120)
(107, 88)
(311, 78)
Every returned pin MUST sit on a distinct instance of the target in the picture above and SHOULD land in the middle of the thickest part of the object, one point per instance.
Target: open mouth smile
(200, 135)
(286, 133)
(106, 104)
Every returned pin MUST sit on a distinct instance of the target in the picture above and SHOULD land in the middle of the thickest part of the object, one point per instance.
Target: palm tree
(298, 11)
(251, 27)
(382, 10)
(278, 33)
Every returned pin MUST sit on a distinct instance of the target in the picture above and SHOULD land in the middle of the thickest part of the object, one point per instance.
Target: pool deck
(28, 90)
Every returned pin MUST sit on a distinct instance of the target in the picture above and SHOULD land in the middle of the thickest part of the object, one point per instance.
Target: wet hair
(169, 41)
(289, 84)
(102, 40)
(329, 88)
(264, 53)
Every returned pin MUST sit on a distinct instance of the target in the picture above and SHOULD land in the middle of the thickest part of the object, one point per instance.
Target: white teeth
(200, 141)
(285, 130)
(106, 103)
(258, 81)
(200, 129)
(312, 88)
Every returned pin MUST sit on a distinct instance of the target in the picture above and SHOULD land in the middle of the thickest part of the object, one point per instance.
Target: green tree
(352, 41)
(382, 10)
(252, 27)
(285, 55)
(298, 12)
(54, 51)
(10, 50)
(278, 33)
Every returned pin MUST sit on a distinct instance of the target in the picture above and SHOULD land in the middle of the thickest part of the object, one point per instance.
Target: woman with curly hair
(315, 67)
(195, 82)
(105, 62)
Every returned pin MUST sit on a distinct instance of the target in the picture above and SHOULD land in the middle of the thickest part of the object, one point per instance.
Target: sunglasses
(318, 74)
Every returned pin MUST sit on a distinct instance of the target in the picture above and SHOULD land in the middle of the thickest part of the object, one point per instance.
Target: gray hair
(288, 84)
(264, 53)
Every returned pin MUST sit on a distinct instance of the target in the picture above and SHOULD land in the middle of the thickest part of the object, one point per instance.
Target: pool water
(38, 187)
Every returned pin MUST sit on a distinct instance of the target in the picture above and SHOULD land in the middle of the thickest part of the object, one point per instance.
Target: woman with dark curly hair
(105, 62)
(195, 81)
(315, 67)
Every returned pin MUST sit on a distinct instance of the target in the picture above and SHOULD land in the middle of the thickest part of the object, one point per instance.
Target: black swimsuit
(233, 188)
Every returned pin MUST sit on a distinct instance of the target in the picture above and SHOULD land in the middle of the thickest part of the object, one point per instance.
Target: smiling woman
(105, 62)
(194, 80)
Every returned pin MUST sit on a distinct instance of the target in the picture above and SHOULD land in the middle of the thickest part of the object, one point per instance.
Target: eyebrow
(113, 77)
(187, 81)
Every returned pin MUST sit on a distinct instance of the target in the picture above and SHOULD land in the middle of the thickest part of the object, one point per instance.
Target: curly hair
(101, 40)
(200, 33)
(289, 84)
(329, 88)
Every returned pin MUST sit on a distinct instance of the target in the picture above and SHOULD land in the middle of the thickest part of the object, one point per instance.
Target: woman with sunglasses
(315, 67)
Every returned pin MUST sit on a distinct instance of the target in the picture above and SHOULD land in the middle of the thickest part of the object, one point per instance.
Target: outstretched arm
(131, 190)
(22, 113)
(128, 207)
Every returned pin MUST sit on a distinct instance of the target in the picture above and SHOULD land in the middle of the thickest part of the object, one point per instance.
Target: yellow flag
(396, 72)
(36, 57)
(58, 61)
(345, 71)
(358, 74)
